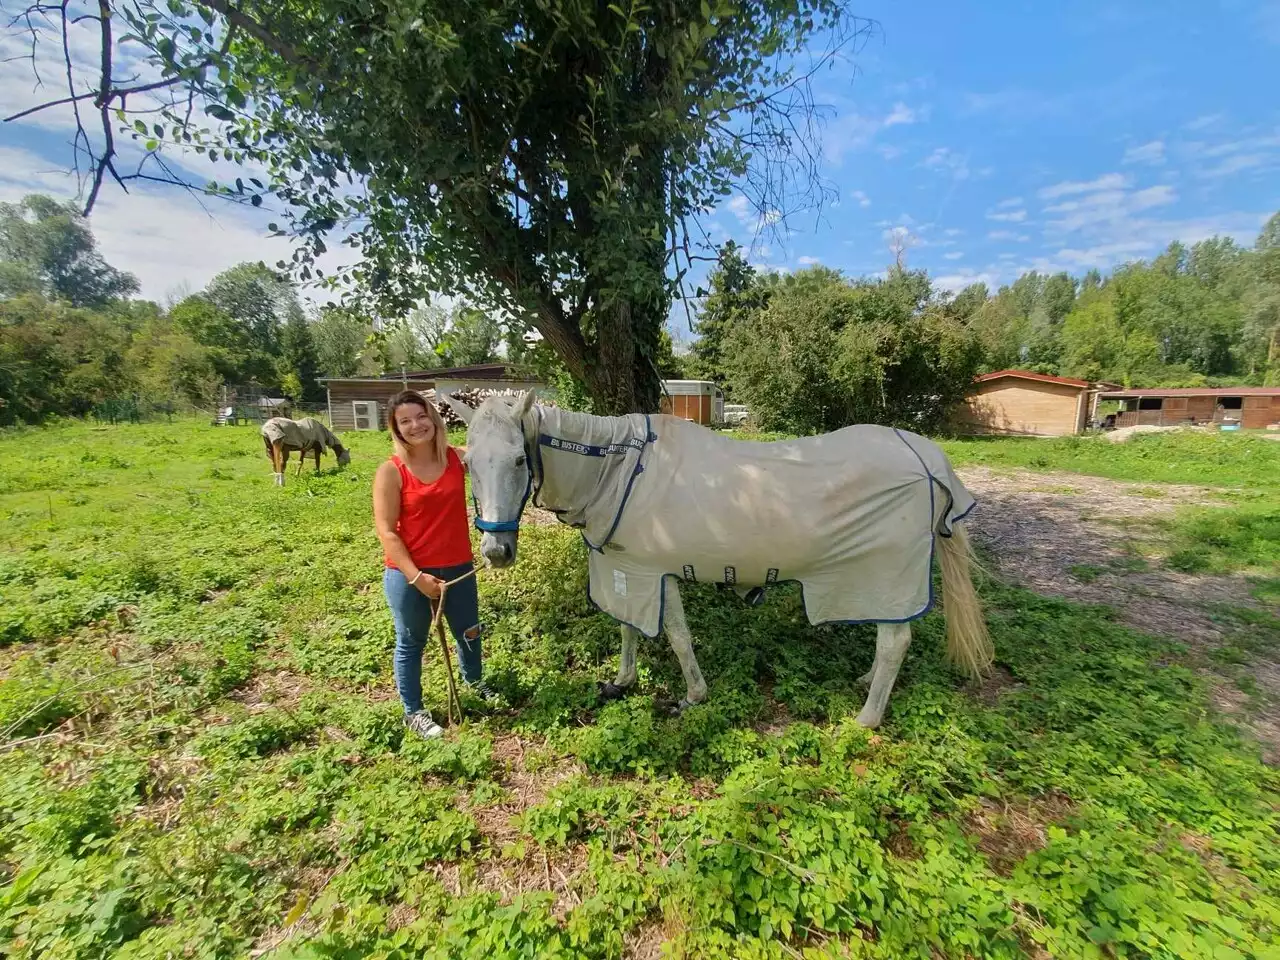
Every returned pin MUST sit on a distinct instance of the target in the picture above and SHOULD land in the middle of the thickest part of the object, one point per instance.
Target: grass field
(204, 758)
(1244, 470)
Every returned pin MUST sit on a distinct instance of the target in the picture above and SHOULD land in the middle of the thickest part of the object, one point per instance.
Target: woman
(420, 513)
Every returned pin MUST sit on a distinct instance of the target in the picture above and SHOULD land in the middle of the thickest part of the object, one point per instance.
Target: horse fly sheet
(306, 434)
(850, 514)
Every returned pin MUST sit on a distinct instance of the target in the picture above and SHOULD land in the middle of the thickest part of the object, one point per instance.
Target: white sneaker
(422, 724)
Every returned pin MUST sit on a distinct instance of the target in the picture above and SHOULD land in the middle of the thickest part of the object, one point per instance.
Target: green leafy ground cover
(198, 664)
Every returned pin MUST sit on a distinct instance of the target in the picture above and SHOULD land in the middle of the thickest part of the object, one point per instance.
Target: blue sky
(993, 138)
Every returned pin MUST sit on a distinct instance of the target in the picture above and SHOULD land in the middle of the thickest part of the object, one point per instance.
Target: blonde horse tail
(969, 646)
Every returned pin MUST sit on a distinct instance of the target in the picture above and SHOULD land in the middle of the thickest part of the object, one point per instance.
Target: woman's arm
(386, 513)
(462, 457)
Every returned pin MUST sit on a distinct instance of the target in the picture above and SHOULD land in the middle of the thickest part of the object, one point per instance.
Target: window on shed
(1231, 403)
(1150, 403)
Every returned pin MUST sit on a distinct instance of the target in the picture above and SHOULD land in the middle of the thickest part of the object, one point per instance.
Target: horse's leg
(277, 462)
(317, 453)
(892, 640)
(302, 461)
(682, 644)
(626, 677)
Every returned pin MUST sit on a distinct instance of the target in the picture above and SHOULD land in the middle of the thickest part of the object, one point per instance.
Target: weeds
(224, 768)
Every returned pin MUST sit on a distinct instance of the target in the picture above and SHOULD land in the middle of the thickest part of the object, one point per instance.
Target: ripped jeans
(412, 614)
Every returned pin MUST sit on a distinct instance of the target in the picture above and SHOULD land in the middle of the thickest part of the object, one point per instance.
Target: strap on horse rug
(850, 514)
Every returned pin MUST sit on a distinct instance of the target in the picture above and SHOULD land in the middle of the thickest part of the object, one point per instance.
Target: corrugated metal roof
(1194, 392)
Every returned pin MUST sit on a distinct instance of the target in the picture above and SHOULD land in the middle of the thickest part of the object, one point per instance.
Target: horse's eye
(520, 461)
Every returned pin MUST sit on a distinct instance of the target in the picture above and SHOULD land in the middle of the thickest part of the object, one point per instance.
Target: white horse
(854, 516)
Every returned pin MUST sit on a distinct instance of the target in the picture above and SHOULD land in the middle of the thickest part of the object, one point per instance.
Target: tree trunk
(622, 376)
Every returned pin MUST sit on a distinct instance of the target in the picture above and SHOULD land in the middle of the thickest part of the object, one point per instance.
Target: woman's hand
(428, 585)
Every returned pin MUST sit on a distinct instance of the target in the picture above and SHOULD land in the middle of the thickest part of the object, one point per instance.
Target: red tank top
(433, 516)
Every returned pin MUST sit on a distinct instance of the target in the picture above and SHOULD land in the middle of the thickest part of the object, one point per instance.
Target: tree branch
(258, 31)
(94, 94)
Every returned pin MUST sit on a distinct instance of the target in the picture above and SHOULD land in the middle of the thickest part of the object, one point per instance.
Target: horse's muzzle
(498, 549)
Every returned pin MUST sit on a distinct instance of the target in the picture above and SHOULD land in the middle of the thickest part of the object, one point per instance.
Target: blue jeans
(412, 614)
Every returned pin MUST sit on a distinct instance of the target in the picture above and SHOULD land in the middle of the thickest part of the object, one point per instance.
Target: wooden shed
(701, 401)
(1247, 408)
(1019, 402)
(360, 403)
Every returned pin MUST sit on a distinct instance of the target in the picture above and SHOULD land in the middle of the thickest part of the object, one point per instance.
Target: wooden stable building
(1243, 408)
(701, 401)
(1022, 403)
(360, 403)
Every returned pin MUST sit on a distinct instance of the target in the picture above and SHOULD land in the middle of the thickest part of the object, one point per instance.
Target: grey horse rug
(850, 515)
(306, 434)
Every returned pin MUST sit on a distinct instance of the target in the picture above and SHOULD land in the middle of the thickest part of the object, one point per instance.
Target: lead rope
(437, 627)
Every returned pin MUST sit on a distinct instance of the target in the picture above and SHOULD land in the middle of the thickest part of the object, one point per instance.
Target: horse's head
(501, 475)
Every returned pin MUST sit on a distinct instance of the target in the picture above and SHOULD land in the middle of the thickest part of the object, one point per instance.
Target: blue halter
(505, 526)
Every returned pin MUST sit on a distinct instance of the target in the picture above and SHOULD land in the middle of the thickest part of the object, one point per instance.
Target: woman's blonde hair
(406, 397)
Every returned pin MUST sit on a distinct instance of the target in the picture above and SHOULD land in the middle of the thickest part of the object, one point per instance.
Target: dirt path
(1082, 538)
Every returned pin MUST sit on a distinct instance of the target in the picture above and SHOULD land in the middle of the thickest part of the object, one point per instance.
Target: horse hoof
(610, 691)
(674, 709)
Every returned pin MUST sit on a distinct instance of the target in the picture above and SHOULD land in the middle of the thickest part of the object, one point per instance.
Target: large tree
(734, 291)
(47, 247)
(826, 352)
(540, 157)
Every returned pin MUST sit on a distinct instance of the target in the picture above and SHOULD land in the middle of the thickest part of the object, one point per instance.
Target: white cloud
(748, 216)
(954, 255)
(862, 198)
(1258, 152)
(946, 160)
(1152, 153)
(852, 131)
(160, 234)
(953, 232)
(1235, 164)
(900, 114)
(1201, 123)
(1002, 235)
(1109, 181)
(1107, 207)
(1009, 204)
(1134, 238)
(1007, 216)
(808, 261)
(955, 282)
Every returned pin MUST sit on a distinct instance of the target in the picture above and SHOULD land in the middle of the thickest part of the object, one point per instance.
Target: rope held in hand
(437, 627)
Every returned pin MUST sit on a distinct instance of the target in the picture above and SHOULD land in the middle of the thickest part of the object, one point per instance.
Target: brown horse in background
(308, 435)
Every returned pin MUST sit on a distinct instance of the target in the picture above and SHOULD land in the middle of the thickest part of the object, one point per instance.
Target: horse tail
(969, 646)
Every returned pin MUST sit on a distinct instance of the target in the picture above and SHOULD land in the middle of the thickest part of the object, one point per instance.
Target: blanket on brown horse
(308, 435)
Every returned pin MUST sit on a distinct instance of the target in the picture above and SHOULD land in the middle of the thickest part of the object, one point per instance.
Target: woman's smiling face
(415, 425)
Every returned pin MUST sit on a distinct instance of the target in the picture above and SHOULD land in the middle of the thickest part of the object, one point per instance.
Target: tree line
(815, 350)
(73, 340)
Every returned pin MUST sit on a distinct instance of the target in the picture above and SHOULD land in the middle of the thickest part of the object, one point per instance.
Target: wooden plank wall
(1255, 414)
(1022, 407)
(341, 395)
(695, 408)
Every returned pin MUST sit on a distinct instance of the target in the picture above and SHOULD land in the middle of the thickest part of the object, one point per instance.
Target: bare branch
(120, 92)
(103, 103)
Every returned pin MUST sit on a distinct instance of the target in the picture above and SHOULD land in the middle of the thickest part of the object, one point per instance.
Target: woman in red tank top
(420, 513)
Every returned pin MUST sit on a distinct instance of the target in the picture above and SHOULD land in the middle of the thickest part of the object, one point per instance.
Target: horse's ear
(464, 412)
(525, 404)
